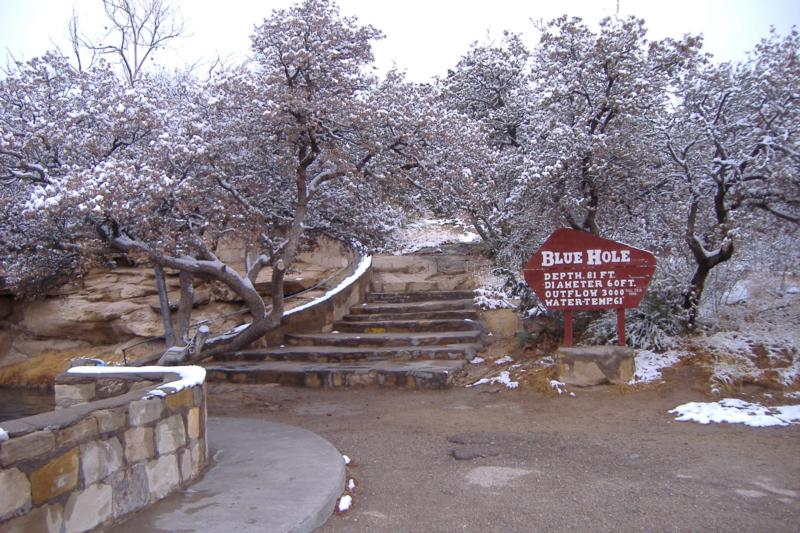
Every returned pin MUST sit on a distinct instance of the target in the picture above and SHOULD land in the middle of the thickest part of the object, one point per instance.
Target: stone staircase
(419, 339)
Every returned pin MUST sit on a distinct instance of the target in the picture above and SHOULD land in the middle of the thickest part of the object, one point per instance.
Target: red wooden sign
(577, 271)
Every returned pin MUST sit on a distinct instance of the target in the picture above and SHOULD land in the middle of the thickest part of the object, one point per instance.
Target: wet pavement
(265, 476)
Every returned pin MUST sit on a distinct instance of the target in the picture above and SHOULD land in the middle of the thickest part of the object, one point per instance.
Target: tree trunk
(163, 304)
(705, 263)
(184, 316)
(691, 301)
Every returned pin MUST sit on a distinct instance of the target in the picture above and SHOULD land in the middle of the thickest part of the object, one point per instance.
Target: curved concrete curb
(266, 477)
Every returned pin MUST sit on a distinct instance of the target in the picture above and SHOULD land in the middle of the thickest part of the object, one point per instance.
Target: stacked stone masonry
(87, 465)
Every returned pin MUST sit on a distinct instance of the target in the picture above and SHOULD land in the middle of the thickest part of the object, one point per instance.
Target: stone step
(333, 354)
(410, 374)
(421, 296)
(399, 326)
(412, 307)
(416, 315)
(411, 285)
(384, 339)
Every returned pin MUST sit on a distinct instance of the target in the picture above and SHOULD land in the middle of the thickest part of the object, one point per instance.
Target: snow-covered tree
(734, 149)
(297, 143)
(592, 139)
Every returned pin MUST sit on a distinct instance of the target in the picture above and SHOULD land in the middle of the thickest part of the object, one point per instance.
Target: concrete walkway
(266, 477)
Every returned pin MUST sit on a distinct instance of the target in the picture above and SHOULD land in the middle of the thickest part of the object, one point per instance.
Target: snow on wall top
(362, 267)
(190, 376)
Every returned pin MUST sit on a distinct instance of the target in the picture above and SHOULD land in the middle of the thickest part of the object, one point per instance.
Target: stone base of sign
(584, 366)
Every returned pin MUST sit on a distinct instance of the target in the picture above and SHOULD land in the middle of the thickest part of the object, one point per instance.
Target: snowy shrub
(657, 321)
(487, 298)
(529, 303)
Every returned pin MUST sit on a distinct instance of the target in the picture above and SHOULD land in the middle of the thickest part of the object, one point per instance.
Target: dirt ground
(492, 460)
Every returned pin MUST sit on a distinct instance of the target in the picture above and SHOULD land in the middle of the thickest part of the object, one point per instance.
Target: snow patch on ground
(346, 459)
(504, 379)
(754, 355)
(503, 360)
(650, 364)
(345, 502)
(559, 386)
(190, 376)
(477, 360)
(737, 294)
(430, 233)
(735, 411)
(351, 485)
(3, 435)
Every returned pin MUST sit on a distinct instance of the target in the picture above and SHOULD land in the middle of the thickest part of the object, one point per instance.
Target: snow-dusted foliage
(734, 154)
(647, 142)
(658, 321)
(300, 142)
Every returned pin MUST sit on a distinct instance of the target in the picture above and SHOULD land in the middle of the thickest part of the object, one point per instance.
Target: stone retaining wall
(319, 315)
(82, 466)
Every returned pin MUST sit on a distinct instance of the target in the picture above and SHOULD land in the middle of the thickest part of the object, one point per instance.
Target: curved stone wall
(85, 465)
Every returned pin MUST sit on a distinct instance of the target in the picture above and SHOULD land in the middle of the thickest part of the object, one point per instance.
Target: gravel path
(602, 461)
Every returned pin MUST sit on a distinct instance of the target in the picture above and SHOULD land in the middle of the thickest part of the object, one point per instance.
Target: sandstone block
(109, 420)
(74, 393)
(27, 447)
(130, 490)
(198, 393)
(170, 434)
(179, 400)
(99, 459)
(584, 366)
(88, 509)
(56, 477)
(193, 423)
(163, 476)
(313, 380)
(185, 461)
(15, 492)
(143, 412)
(76, 434)
(42, 519)
(139, 444)
(110, 387)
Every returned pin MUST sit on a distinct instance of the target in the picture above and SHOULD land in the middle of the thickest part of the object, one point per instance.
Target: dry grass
(42, 370)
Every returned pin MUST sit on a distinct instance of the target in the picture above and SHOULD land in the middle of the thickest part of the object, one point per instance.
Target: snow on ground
(351, 485)
(430, 233)
(345, 502)
(755, 328)
(559, 386)
(3, 435)
(650, 364)
(504, 378)
(735, 411)
(477, 360)
(503, 360)
(752, 354)
(737, 294)
(190, 376)
(346, 459)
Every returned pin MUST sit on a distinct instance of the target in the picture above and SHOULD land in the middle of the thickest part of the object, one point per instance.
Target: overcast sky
(423, 37)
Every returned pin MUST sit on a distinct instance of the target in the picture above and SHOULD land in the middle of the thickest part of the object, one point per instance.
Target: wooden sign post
(577, 271)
